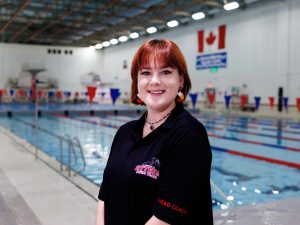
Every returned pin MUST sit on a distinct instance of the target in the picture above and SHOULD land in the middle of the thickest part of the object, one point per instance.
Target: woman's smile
(156, 92)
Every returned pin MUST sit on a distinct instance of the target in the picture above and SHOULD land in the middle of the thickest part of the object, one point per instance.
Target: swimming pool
(254, 160)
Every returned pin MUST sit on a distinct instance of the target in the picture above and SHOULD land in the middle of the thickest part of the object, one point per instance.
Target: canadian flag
(212, 40)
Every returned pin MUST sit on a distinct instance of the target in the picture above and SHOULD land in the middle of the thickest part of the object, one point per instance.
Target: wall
(66, 68)
(261, 43)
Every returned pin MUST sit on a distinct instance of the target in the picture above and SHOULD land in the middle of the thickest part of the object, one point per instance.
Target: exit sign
(214, 69)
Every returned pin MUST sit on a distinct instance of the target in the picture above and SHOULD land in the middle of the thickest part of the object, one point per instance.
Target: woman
(158, 171)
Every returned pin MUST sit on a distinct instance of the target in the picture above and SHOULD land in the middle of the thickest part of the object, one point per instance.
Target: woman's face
(158, 87)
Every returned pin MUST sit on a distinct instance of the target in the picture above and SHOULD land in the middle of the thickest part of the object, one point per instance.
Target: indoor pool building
(65, 90)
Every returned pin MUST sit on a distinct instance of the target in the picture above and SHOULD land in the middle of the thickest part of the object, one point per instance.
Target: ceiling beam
(212, 3)
(84, 18)
(59, 18)
(49, 6)
(103, 34)
(98, 34)
(5, 26)
(134, 23)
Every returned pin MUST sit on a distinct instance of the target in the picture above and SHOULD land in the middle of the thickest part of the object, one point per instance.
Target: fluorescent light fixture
(105, 44)
(114, 41)
(172, 23)
(231, 6)
(123, 38)
(134, 35)
(98, 46)
(151, 30)
(198, 16)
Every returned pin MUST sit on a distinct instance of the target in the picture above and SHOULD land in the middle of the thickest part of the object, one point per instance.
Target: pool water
(254, 160)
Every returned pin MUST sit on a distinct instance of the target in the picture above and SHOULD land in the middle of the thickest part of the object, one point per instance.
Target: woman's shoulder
(129, 126)
(187, 136)
(188, 123)
(125, 131)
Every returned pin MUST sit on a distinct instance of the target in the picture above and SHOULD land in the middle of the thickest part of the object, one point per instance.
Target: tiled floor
(13, 208)
(31, 193)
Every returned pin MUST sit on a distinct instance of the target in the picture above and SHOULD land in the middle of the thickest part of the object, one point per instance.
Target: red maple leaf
(211, 38)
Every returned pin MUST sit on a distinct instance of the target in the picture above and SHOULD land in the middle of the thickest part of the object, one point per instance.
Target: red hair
(165, 53)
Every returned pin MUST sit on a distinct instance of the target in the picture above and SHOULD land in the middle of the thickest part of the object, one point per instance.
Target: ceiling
(88, 22)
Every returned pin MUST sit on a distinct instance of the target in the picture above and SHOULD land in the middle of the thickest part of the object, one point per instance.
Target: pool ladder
(72, 144)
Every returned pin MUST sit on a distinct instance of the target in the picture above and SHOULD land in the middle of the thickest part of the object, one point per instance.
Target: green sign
(214, 69)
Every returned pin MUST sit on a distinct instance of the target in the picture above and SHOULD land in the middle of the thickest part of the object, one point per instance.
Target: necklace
(151, 124)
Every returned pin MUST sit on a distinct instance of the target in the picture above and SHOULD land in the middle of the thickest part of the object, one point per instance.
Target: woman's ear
(181, 82)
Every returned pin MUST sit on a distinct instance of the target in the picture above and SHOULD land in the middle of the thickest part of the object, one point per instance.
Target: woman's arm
(155, 221)
(188, 160)
(100, 213)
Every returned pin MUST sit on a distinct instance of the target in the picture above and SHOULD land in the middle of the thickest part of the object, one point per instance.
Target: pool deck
(33, 193)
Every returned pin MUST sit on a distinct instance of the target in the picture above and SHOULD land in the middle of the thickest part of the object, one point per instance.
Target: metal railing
(72, 143)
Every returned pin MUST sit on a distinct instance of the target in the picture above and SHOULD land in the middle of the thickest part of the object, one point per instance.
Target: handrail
(66, 138)
(71, 148)
(69, 154)
(76, 140)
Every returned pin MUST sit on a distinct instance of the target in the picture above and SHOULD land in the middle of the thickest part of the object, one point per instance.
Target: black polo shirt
(166, 173)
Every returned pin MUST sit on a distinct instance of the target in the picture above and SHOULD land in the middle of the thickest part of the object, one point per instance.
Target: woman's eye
(166, 72)
(145, 73)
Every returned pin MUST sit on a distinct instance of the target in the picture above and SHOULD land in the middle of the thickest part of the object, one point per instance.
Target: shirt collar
(138, 128)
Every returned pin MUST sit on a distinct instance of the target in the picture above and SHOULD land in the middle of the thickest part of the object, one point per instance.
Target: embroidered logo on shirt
(149, 168)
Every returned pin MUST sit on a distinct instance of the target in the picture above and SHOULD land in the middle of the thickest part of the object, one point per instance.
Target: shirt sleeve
(101, 194)
(184, 183)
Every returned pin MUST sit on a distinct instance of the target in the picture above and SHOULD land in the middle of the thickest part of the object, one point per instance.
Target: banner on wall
(211, 45)
(211, 60)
